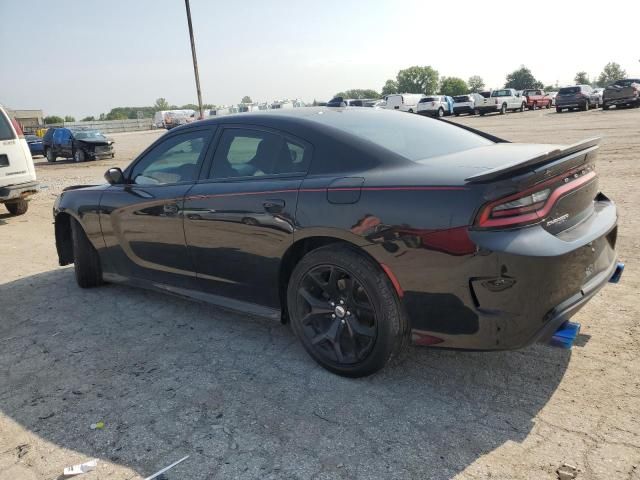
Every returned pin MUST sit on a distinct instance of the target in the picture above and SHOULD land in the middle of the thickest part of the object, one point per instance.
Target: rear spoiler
(495, 173)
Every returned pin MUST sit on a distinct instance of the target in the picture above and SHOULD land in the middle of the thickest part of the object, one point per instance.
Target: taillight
(534, 204)
(17, 127)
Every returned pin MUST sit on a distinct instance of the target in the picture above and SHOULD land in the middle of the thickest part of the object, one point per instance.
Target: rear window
(429, 99)
(461, 98)
(411, 136)
(569, 90)
(485, 94)
(627, 83)
(6, 132)
(501, 93)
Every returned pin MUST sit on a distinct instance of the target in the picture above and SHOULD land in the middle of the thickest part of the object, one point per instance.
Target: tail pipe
(565, 335)
(617, 274)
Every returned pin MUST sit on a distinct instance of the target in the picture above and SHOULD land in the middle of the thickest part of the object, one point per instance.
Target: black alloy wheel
(345, 311)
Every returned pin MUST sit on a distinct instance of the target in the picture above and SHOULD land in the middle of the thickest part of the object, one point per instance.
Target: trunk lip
(584, 146)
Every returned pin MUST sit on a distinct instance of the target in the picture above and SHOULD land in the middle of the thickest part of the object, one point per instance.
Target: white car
(407, 102)
(434, 106)
(465, 104)
(600, 93)
(501, 101)
(17, 173)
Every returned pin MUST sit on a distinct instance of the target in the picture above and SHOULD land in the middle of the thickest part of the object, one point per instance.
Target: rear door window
(6, 132)
(255, 153)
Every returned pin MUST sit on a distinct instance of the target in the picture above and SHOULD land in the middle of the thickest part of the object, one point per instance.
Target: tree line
(427, 80)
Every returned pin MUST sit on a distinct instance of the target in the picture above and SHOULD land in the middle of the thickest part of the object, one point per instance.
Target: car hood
(86, 187)
(95, 141)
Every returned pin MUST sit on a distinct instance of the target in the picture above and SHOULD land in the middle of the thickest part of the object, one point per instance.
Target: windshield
(88, 135)
(501, 93)
(569, 90)
(411, 136)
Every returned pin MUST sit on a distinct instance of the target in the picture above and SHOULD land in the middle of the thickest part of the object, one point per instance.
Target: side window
(254, 153)
(175, 160)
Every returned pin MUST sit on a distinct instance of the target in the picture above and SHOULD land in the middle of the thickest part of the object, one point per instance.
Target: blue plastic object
(615, 278)
(565, 335)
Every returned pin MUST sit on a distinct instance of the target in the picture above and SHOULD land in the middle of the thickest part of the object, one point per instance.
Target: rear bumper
(488, 108)
(463, 109)
(521, 285)
(622, 101)
(571, 104)
(20, 190)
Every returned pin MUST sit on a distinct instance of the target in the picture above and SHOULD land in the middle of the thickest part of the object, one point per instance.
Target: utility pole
(195, 60)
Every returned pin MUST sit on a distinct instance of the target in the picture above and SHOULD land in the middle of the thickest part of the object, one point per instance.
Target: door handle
(170, 208)
(274, 205)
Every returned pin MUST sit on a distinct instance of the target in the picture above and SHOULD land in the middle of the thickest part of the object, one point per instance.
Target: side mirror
(114, 176)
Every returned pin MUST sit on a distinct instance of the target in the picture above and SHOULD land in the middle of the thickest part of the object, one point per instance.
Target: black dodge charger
(364, 229)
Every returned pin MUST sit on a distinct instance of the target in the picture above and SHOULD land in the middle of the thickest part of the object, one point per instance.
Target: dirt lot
(239, 395)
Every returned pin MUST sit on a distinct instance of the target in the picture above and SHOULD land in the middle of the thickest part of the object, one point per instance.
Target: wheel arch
(307, 244)
(64, 243)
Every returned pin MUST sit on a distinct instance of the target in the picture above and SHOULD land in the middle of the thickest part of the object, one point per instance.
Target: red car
(536, 98)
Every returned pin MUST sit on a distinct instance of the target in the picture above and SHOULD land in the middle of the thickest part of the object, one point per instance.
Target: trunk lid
(554, 188)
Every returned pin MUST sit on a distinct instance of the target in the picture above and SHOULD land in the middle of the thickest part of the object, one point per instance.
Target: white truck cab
(407, 102)
(17, 173)
(501, 101)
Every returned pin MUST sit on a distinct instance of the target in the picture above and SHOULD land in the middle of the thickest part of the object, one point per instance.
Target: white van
(17, 173)
(407, 102)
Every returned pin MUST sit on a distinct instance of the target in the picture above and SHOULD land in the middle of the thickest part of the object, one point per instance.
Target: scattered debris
(97, 426)
(48, 415)
(160, 472)
(23, 449)
(567, 472)
(81, 468)
(57, 333)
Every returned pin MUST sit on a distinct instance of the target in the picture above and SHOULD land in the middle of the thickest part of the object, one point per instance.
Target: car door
(142, 220)
(239, 219)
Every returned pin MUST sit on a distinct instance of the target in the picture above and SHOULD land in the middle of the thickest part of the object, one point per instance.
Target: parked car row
(583, 97)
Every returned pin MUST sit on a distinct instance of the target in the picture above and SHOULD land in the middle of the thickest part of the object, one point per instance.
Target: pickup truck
(501, 101)
(622, 92)
(536, 98)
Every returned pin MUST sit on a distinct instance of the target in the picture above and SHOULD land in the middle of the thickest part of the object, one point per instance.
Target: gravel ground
(239, 395)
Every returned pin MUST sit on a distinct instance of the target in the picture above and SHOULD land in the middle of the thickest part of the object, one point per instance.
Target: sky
(84, 57)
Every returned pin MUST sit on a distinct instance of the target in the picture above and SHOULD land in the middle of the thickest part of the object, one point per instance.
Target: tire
(50, 155)
(85, 258)
(78, 155)
(558, 110)
(349, 344)
(457, 114)
(482, 113)
(440, 112)
(503, 109)
(586, 106)
(548, 105)
(523, 106)
(411, 110)
(17, 207)
(605, 106)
